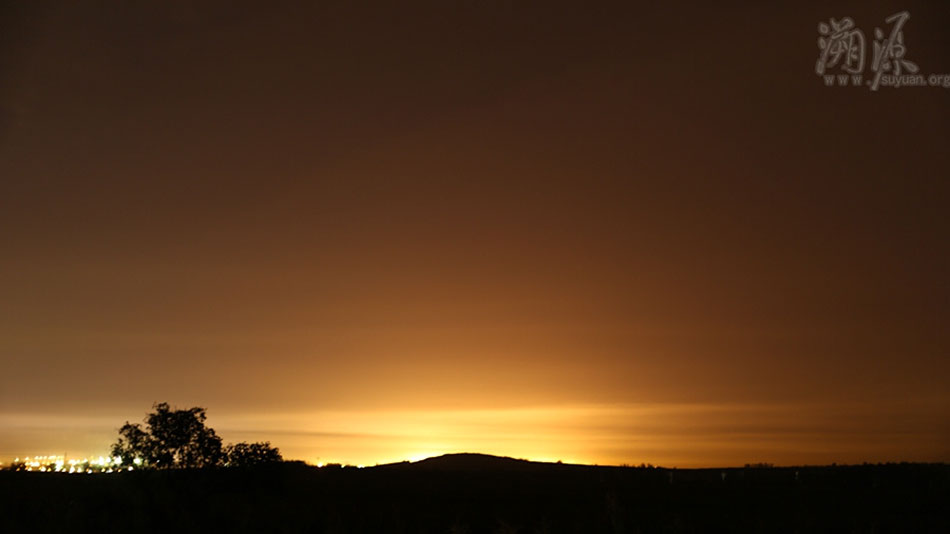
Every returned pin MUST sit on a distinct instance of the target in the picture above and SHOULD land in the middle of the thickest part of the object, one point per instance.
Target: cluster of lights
(58, 464)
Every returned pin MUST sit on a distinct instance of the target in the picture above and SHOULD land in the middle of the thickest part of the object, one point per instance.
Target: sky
(604, 233)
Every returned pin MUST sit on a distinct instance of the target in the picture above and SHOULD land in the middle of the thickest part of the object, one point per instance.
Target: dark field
(471, 493)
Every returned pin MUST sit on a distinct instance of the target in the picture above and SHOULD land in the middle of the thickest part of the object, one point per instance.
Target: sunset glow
(681, 435)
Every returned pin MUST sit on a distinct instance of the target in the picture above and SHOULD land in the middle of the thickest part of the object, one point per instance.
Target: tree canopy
(173, 438)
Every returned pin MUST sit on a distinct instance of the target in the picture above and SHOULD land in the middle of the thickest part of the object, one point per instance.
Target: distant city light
(58, 464)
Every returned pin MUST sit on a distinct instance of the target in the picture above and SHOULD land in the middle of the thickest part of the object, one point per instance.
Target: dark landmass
(479, 493)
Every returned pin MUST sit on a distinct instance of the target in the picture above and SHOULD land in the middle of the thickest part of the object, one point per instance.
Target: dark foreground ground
(470, 493)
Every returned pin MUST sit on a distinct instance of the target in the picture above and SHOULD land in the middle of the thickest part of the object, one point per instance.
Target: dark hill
(468, 461)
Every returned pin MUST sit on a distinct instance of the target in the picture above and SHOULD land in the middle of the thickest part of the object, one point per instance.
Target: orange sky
(601, 234)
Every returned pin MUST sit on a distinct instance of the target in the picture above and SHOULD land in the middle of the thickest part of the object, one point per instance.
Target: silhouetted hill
(465, 461)
(479, 493)
(469, 461)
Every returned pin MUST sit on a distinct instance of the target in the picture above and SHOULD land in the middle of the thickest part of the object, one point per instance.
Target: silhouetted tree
(170, 439)
(135, 444)
(244, 454)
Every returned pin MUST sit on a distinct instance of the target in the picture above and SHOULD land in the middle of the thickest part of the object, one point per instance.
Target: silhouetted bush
(245, 454)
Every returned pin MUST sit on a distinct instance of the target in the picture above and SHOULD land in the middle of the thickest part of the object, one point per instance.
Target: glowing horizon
(670, 435)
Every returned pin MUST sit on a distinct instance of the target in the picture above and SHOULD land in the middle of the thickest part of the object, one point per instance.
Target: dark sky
(598, 232)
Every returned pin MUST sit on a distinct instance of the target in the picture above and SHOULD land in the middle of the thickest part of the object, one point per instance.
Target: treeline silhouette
(175, 439)
(477, 494)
